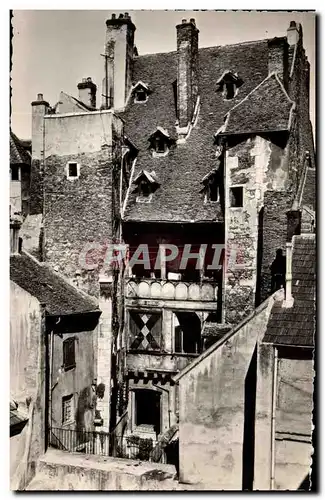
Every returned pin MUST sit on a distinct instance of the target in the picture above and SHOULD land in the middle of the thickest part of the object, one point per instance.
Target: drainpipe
(169, 410)
(50, 379)
(274, 394)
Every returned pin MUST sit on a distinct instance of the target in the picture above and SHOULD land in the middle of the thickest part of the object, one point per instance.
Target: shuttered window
(67, 409)
(145, 330)
(69, 355)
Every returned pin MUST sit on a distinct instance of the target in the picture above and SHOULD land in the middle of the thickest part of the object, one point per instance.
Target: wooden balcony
(146, 288)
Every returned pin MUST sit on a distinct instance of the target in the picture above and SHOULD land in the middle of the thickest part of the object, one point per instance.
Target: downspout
(169, 410)
(274, 394)
(51, 374)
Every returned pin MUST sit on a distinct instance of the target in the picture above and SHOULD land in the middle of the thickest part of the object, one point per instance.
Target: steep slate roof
(48, 287)
(180, 173)
(296, 325)
(19, 153)
(266, 109)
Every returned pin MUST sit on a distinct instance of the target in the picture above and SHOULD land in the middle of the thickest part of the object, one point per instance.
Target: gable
(266, 109)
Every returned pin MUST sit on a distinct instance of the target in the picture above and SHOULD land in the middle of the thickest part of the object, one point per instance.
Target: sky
(54, 49)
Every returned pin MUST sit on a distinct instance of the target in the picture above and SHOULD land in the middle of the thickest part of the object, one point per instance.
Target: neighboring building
(246, 404)
(190, 151)
(53, 350)
(20, 160)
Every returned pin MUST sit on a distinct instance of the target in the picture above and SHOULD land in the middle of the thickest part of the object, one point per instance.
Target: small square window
(67, 409)
(236, 197)
(73, 170)
(14, 173)
(69, 354)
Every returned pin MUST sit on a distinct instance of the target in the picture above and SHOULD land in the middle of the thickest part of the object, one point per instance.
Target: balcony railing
(152, 288)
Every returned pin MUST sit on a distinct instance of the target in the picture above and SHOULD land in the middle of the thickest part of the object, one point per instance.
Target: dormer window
(140, 92)
(160, 142)
(212, 185)
(229, 84)
(147, 184)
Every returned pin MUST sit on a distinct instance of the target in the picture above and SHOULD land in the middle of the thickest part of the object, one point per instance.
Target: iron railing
(102, 443)
(91, 442)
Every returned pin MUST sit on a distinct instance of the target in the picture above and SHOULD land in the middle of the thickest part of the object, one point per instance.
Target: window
(236, 197)
(140, 96)
(213, 189)
(67, 409)
(14, 173)
(187, 330)
(160, 145)
(73, 170)
(144, 189)
(145, 330)
(140, 92)
(229, 84)
(69, 359)
(230, 90)
(147, 409)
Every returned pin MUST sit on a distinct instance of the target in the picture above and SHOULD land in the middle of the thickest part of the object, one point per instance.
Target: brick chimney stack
(87, 92)
(187, 70)
(15, 241)
(293, 33)
(118, 55)
(40, 108)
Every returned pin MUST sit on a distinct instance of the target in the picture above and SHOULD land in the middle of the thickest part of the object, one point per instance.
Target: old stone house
(53, 341)
(188, 152)
(246, 404)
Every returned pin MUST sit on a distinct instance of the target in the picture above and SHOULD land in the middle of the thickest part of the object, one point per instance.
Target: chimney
(15, 241)
(278, 59)
(87, 92)
(118, 55)
(292, 34)
(40, 108)
(187, 70)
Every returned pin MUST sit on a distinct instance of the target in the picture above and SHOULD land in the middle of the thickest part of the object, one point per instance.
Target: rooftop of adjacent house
(17, 418)
(181, 171)
(295, 326)
(19, 150)
(38, 279)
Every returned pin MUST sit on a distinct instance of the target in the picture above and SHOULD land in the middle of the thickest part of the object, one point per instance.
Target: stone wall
(258, 165)
(76, 381)
(293, 426)
(25, 333)
(213, 407)
(78, 212)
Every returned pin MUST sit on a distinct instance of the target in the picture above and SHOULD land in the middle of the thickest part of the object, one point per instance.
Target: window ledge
(68, 368)
(155, 154)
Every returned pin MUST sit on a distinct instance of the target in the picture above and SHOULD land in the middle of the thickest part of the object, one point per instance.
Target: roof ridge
(248, 42)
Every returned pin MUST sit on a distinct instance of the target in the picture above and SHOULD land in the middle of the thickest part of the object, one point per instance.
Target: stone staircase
(62, 471)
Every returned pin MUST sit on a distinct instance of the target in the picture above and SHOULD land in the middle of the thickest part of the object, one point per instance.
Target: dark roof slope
(48, 287)
(19, 153)
(309, 192)
(180, 172)
(296, 325)
(266, 109)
